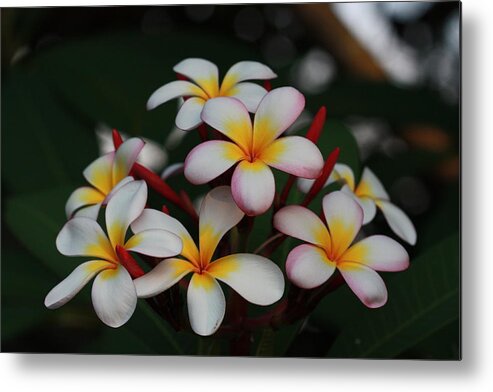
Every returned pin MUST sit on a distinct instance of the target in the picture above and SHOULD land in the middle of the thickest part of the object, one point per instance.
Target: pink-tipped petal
(344, 218)
(253, 187)
(210, 159)
(371, 186)
(398, 221)
(100, 173)
(307, 266)
(81, 197)
(202, 72)
(206, 304)
(299, 222)
(278, 110)
(188, 116)
(294, 155)
(250, 94)
(172, 90)
(368, 286)
(167, 273)
(155, 243)
(125, 157)
(246, 70)
(255, 278)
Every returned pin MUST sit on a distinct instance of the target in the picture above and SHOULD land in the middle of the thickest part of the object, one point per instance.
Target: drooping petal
(82, 197)
(162, 277)
(206, 304)
(230, 117)
(153, 219)
(276, 112)
(123, 208)
(172, 170)
(91, 212)
(188, 116)
(371, 186)
(307, 266)
(250, 94)
(299, 222)
(253, 187)
(210, 159)
(202, 72)
(99, 173)
(255, 278)
(218, 214)
(172, 90)
(378, 252)
(125, 157)
(368, 286)
(84, 237)
(294, 155)
(246, 70)
(72, 284)
(367, 204)
(344, 218)
(155, 243)
(113, 296)
(398, 221)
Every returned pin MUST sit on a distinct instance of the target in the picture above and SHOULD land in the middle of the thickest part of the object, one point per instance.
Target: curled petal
(206, 304)
(368, 286)
(253, 187)
(250, 94)
(294, 155)
(307, 266)
(125, 157)
(371, 186)
(100, 173)
(82, 197)
(72, 284)
(162, 277)
(210, 159)
(246, 70)
(155, 243)
(254, 277)
(202, 72)
(398, 221)
(117, 187)
(188, 116)
(172, 90)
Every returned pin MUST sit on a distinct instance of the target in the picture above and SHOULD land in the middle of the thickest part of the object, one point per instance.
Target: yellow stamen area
(133, 241)
(91, 196)
(357, 253)
(223, 268)
(364, 188)
(240, 132)
(98, 265)
(208, 241)
(102, 248)
(203, 281)
(102, 178)
(228, 84)
(255, 166)
(109, 273)
(341, 237)
(273, 152)
(116, 233)
(190, 251)
(181, 266)
(210, 86)
(322, 237)
(233, 153)
(264, 134)
(120, 171)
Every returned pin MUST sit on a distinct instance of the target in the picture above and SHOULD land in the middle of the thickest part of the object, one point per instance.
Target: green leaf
(422, 300)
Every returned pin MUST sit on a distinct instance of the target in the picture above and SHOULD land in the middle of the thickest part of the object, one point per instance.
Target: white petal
(250, 94)
(206, 304)
(367, 204)
(125, 157)
(202, 72)
(113, 296)
(246, 70)
(188, 116)
(99, 173)
(82, 197)
(162, 277)
(91, 212)
(155, 243)
(371, 186)
(117, 187)
(72, 284)
(398, 221)
(307, 266)
(175, 89)
(172, 170)
(255, 278)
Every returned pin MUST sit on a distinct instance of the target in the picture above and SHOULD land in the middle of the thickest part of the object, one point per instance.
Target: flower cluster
(241, 125)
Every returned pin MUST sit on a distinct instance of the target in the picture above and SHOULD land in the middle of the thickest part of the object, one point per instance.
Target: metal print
(249, 180)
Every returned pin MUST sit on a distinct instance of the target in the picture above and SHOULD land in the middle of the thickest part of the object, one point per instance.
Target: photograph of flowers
(265, 180)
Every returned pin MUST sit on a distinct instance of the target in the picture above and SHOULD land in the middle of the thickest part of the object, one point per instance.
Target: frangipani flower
(370, 194)
(205, 76)
(254, 277)
(106, 174)
(255, 147)
(329, 247)
(113, 293)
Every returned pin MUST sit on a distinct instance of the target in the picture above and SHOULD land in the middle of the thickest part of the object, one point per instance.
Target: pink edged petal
(188, 116)
(206, 304)
(246, 70)
(344, 218)
(299, 222)
(398, 221)
(230, 117)
(113, 296)
(162, 277)
(72, 284)
(82, 197)
(210, 159)
(91, 212)
(250, 94)
(371, 186)
(99, 173)
(125, 157)
(255, 278)
(155, 243)
(202, 72)
(253, 187)
(172, 90)
(278, 110)
(368, 205)
(123, 208)
(153, 219)
(294, 155)
(218, 214)
(307, 266)
(378, 252)
(368, 286)
(84, 237)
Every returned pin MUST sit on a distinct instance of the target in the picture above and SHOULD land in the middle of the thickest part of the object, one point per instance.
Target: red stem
(129, 262)
(317, 125)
